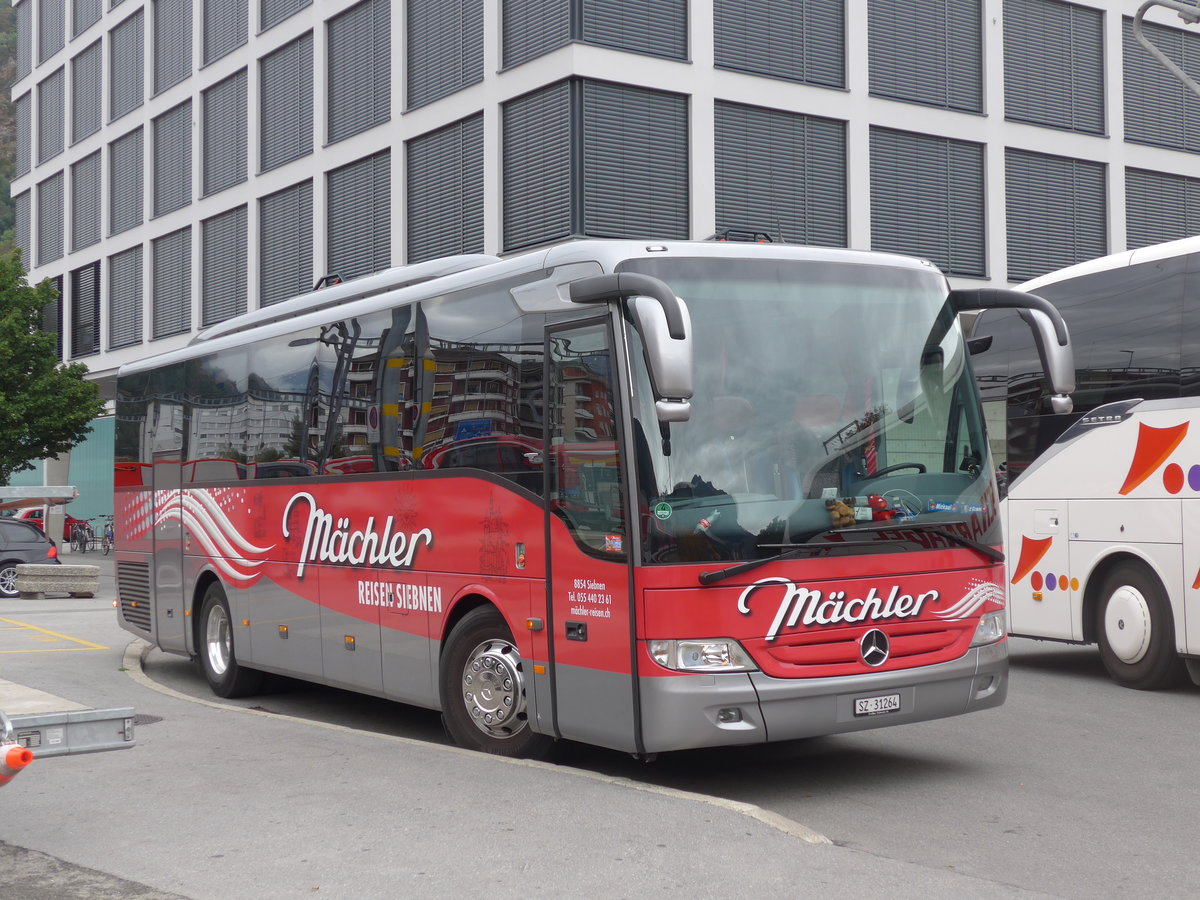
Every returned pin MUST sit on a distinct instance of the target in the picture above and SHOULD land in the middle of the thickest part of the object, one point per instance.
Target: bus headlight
(991, 628)
(709, 655)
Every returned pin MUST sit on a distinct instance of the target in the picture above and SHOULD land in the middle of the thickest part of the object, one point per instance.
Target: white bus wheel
(1136, 629)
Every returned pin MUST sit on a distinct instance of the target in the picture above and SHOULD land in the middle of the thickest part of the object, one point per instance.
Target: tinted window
(1127, 331)
(452, 382)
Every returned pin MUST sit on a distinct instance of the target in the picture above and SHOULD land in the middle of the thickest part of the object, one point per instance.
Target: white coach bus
(1102, 517)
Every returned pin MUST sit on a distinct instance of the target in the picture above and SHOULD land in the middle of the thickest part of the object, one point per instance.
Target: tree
(46, 408)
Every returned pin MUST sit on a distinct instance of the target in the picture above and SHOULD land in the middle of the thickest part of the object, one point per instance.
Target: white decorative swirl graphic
(203, 514)
(973, 600)
(204, 509)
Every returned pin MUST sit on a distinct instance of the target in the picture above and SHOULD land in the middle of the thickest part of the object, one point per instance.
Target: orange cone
(13, 758)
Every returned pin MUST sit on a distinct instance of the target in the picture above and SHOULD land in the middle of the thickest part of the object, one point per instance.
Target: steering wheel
(888, 470)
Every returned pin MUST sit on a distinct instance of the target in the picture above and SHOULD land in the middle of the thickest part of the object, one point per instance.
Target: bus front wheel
(1136, 630)
(225, 675)
(483, 688)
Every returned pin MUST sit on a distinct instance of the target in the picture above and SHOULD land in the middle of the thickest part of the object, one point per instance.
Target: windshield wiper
(937, 528)
(940, 530)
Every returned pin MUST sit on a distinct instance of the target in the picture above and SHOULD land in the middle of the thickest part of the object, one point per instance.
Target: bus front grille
(833, 652)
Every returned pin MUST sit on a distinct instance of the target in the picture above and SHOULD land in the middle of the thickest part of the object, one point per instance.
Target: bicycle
(83, 538)
(108, 538)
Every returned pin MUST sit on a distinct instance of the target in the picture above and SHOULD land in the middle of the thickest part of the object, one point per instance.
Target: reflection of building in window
(482, 389)
(584, 403)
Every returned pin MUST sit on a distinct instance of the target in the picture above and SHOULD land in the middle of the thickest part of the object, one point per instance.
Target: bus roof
(1166, 250)
(407, 284)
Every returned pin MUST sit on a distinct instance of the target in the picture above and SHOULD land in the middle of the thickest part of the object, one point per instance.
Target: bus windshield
(833, 403)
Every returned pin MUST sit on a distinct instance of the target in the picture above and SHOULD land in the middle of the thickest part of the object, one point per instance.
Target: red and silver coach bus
(646, 496)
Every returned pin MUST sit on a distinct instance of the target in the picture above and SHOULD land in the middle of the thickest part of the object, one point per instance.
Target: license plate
(874, 706)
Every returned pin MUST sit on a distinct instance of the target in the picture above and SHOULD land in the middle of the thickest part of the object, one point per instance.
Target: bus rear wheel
(1136, 630)
(225, 675)
(483, 688)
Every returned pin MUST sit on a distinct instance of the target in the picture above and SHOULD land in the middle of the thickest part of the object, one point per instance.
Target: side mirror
(666, 328)
(1049, 333)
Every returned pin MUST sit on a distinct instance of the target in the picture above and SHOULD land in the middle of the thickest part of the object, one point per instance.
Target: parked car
(21, 542)
(34, 515)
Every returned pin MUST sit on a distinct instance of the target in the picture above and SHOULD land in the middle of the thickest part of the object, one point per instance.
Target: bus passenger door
(169, 619)
(590, 606)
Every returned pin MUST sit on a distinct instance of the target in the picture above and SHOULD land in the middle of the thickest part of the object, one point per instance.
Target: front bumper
(681, 712)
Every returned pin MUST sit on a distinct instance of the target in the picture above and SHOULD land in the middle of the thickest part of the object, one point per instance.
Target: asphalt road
(1074, 788)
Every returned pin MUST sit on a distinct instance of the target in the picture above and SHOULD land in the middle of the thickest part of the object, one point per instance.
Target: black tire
(483, 688)
(216, 651)
(8, 580)
(75, 540)
(1136, 630)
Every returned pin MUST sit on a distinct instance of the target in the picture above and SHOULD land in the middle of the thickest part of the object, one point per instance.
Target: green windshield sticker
(662, 510)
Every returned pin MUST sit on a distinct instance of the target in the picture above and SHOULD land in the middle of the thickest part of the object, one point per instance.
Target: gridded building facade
(183, 161)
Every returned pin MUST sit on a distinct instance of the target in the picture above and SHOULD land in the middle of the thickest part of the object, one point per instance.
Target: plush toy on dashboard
(840, 513)
(879, 509)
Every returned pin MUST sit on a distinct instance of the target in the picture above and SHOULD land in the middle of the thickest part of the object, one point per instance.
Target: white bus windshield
(830, 400)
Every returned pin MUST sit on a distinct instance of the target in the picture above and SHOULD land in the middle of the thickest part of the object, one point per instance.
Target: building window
(1054, 65)
(927, 51)
(225, 26)
(85, 93)
(1159, 207)
(24, 39)
(125, 206)
(52, 315)
(85, 310)
(632, 156)
(225, 134)
(286, 109)
(125, 299)
(171, 265)
(532, 28)
(126, 84)
(85, 202)
(84, 14)
(359, 214)
(50, 219)
(172, 43)
(927, 199)
(360, 69)
(445, 48)
(445, 191)
(51, 116)
(1159, 109)
(173, 159)
(538, 182)
(51, 27)
(23, 113)
(1055, 211)
(657, 29)
(272, 12)
(803, 40)
(781, 173)
(22, 225)
(285, 241)
(223, 267)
